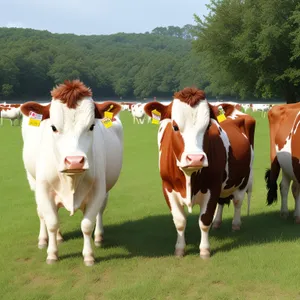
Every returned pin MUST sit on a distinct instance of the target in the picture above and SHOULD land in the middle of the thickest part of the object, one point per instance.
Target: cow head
(190, 116)
(70, 119)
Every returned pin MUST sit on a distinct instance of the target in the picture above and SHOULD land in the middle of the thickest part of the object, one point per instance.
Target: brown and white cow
(200, 161)
(233, 112)
(284, 121)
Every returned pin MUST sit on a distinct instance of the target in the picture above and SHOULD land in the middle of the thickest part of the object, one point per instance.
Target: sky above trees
(99, 16)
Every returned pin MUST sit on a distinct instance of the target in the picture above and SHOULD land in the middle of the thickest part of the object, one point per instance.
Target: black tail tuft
(271, 187)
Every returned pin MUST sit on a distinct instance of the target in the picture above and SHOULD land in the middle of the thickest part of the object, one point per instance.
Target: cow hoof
(59, 241)
(42, 246)
(51, 261)
(297, 220)
(284, 215)
(89, 263)
(236, 227)
(205, 254)
(179, 252)
(42, 243)
(99, 240)
(217, 225)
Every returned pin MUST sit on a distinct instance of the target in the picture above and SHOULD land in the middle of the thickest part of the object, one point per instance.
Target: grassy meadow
(136, 260)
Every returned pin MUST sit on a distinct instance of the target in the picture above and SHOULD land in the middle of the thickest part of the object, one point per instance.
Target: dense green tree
(251, 47)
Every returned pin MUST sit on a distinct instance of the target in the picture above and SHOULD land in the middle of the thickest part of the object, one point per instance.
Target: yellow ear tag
(106, 122)
(156, 115)
(108, 114)
(221, 118)
(35, 119)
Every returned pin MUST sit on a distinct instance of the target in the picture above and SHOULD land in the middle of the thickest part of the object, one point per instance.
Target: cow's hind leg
(238, 197)
(296, 194)
(218, 216)
(284, 190)
(99, 230)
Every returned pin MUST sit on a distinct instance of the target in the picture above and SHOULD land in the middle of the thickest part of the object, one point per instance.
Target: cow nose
(74, 162)
(195, 160)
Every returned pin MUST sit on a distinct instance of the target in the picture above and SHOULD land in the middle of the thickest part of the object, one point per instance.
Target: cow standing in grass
(200, 161)
(72, 160)
(284, 121)
(248, 128)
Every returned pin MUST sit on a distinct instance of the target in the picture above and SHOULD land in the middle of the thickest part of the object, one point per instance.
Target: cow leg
(218, 216)
(205, 221)
(284, 190)
(43, 235)
(46, 204)
(179, 220)
(99, 231)
(295, 191)
(59, 237)
(88, 225)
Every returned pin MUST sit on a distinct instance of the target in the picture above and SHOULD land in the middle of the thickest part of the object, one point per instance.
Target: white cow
(12, 113)
(138, 113)
(72, 160)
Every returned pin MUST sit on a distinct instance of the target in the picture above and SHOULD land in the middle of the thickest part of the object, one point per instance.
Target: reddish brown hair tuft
(191, 96)
(70, 92)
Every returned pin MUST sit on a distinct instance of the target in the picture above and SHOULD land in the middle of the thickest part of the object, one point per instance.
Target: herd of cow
(73, 153)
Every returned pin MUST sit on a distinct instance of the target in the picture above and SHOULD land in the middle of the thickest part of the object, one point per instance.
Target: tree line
(241, 49)
(122, 65)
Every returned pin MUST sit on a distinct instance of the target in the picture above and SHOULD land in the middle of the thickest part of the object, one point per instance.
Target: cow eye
(175, 126)
(53, 128)
(92, 127)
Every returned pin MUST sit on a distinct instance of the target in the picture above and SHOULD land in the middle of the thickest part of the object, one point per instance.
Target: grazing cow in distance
(138, 113)
(284, 121)
(11, 113)
(232, 112)
(200, 161)
(73, 158)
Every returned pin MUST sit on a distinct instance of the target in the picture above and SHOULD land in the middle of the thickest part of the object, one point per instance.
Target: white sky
(99, 16)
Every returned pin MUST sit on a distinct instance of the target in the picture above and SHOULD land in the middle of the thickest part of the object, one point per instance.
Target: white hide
(44, 152)
(192, 123)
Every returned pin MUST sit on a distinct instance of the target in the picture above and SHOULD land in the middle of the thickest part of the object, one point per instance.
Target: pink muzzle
(74, 162)
(194, 161)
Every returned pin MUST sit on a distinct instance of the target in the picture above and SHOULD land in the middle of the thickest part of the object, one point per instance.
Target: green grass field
(136, 260)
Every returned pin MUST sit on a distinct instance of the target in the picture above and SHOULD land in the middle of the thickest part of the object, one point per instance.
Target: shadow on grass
(155, 236)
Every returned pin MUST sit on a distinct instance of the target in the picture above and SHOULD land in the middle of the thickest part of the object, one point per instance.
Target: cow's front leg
(99, 230)
(88, 224)
(43, 235)
(218, 216)
(46, 204)
(207, 209)
(179, 219)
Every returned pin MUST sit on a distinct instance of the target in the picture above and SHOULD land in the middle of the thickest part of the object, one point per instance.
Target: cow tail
(271, 177)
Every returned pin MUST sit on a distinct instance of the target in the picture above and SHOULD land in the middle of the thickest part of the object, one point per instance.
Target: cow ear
(213, 112)
(109, 106)
(27, 107)
(165, 110)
